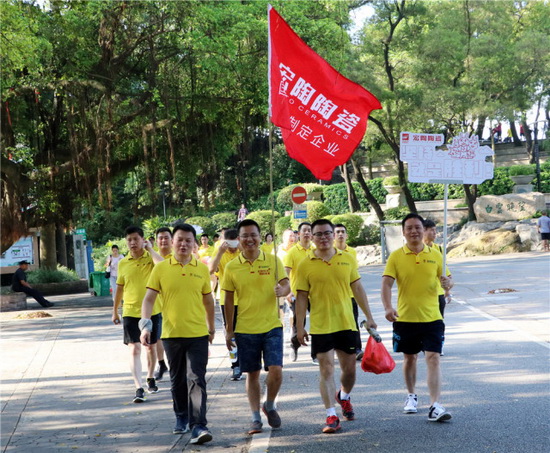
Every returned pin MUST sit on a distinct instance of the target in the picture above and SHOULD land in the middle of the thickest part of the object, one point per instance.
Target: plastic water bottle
(233, 354)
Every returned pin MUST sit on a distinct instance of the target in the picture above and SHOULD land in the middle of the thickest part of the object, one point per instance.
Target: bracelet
(145, 324)
(211, 332)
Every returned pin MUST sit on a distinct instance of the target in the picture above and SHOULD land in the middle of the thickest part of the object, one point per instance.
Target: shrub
(376, 187)
(61, 274)
(336, 198)
(369, 235)
(208, 226)
(426, 191)
(396, 213)
(284, 200)
(316, 210)
(352, 222)
(500, 184)
(281, 225)
(224, 220)
(263, 218)
(391, 181)
(519, 170)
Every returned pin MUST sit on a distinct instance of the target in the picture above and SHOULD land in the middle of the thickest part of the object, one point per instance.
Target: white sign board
(463, 162)
(21, 250)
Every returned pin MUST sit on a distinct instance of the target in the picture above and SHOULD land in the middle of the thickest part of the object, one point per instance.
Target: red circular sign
(299, 195)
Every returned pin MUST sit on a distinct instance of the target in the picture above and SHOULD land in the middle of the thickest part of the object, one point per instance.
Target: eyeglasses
(320, 234)
(246, 236)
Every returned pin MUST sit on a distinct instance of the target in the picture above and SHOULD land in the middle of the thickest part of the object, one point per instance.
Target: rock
(492, 242)
(369, 254)
(490, 208)
(528, 234)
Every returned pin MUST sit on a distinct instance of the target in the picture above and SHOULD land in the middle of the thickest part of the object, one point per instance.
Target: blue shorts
(252, 346)
(413, 337)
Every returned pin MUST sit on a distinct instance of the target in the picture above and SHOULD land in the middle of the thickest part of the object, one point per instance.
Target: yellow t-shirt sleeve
(390, 270)
(206, 288)
(227, 282)
(302, 282)
(280, 266)
(287, 260)
(154, 279)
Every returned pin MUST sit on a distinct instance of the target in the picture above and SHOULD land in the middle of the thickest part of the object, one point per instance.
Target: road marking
(260, 441)
(509, 326)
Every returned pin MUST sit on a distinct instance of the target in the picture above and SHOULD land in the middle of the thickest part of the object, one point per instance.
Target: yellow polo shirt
(417, 278)
(353, 253)
(206, 251)
(292, 258)
(181, 288)
(267, 248)
(133, 275)
(328, 284)
(225, 259)
(282, 251)
(254, 285)
(439, 248)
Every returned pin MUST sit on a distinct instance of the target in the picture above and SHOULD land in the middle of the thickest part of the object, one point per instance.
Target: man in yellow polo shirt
(291, 260)
(326, 276)
(417, 322)
(164, 244)
(227, 251)
(256, 279)
(188, 327)
(206, 251)
(133, 272)
(340, 242)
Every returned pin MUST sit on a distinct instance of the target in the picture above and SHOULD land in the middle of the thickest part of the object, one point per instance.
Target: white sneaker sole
(445, 416)
(410, 411)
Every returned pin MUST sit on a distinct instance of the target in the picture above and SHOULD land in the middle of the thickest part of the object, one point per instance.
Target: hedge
(336, 198)
(207, 224)
(263, 218)
(284, 200)
(316, 210)
(352, 222)
(224, 220)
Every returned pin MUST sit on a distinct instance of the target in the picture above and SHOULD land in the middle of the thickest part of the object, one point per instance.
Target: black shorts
(344, 340)
(132, 332)
(413, 337)
(545, 236)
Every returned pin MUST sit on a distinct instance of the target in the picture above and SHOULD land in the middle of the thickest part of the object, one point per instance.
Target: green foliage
(369, 235)
(352, 222)
(377, 189)
(316, 210)
(61, 274)
(224, 220)
(150, 226)
(391, 181)
(263, 218)
(520, 170)
(284, 200)
(396, 213)
(336, 198)
(425, 191)
(281, 225)
(101, 254)
(501, 184)
(208, 226)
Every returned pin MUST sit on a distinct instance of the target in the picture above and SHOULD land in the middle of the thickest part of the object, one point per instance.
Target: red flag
(322, 114)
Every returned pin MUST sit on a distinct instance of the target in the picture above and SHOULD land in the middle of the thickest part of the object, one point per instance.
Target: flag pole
(272, 198)
(445, 196)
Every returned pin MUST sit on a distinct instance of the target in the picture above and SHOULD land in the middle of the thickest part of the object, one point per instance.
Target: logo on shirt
(264, 271)
(343, 264)
(191, 274)
(430, 261)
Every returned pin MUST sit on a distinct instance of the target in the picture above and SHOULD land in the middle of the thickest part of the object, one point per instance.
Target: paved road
(66, 387)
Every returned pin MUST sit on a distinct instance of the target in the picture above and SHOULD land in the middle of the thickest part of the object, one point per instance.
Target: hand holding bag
(376, 358)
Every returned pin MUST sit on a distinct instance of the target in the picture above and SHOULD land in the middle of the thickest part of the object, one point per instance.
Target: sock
(256, 416)
(269, 405)
(344, 395)
(331, 411)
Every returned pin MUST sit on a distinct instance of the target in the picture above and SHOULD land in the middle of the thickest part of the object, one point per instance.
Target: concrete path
(66, 385)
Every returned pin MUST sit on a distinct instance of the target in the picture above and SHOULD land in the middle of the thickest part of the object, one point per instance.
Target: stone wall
(498, 208)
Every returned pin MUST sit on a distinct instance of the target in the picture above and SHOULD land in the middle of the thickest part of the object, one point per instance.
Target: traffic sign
(298, 195)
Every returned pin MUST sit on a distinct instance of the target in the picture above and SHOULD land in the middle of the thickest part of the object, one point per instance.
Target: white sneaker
(410, 404)
(438, 413)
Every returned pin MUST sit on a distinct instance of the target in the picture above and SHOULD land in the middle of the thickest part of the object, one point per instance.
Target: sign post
(463, 161)
(299, 196)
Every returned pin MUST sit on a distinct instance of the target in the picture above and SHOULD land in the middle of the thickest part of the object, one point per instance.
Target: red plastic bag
(376, 358)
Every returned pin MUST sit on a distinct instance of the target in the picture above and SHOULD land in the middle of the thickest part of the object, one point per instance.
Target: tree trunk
(471, 196)
(480, 126)
(353, 202)
(61, 245)
(403, 183)
(368, 194)
(515, 136)
(47, 247)
(528, 141)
